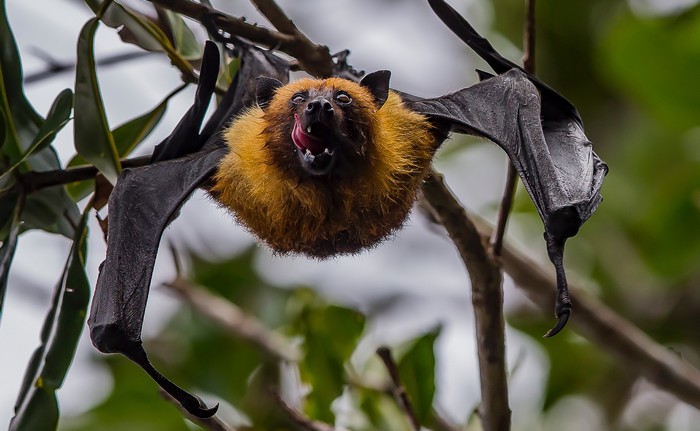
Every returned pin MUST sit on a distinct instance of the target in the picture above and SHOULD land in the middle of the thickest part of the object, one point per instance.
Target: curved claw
(563, 318)
(189, 402)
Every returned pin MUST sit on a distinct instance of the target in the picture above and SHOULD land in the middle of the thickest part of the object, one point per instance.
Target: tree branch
(298, 418)
(506, 204)
(270, 10)
(55, 67)
(212, 424)
(397, 388)
(606, 329)
(315, 59)
(487, 299)
(594, 320)
(37, 180)
(237, 323)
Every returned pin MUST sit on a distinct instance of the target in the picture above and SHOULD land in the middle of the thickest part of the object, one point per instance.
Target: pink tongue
(304, 141)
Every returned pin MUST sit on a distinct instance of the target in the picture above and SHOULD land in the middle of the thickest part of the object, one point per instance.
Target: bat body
(327, 167)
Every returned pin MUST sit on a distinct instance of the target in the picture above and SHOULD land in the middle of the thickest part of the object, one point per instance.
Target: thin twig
(504, 208)
(487, 299)
(529, 38)
(315, 59)
(270, 10)
(299, 419)
(213, 423)
(235, 321)
(441, 424)
(56, 67)
(397, 388)
(496, 241)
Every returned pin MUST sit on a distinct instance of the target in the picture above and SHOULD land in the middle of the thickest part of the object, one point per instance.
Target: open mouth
(315, 146)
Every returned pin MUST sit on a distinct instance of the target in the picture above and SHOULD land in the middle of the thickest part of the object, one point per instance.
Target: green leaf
(21, 121)
(656, 62)
(9, 244)
(137, 29)
(417, 372)
(330, 335)
(46, 211)
(186, 43)
(57, 117)
(22, 125)
(133, 404)
(93, 139)
(126, 137)
(37, 406)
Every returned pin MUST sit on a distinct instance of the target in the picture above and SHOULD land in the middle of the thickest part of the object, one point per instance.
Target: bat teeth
(308, 129)
(308, 152)
(327, 151)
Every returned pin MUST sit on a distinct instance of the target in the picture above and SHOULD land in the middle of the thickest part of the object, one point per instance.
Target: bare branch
(37, 180)
(236, 322)
(504, 208)
(529, 38)
(506, 204)
(608, 330)
(315, 59)
(276, 16)
(55, 67)
(595, 321)
(212, 424)
(397, 388)
(487, 298)
(299, 419)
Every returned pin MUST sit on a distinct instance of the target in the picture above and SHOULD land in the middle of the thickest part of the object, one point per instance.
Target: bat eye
(298, 98)
(343, 98)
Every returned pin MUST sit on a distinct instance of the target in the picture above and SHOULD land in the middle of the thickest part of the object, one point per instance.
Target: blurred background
(631, 67)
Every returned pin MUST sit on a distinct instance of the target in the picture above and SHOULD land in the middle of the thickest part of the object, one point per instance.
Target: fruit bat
(328, 167)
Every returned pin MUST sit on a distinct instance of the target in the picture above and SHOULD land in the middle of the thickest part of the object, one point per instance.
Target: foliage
(632, 77)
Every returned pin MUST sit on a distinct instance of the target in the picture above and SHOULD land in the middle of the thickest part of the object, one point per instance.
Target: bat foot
(563, 317)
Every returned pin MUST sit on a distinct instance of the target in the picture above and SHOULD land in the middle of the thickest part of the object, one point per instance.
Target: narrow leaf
(330, 336)
(22, 121)
(55, 120)
(127, 137)
(138, 29)
(417, 372)
(21, 126)
(9, 245)
(185, 42)
(37, 406)
(93, 139)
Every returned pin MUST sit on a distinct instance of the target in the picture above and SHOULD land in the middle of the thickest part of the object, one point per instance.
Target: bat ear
(265, 89)
(483, 76)
(378, 84)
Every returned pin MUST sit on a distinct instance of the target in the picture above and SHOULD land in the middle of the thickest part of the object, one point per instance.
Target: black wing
(140, 207)
(146, 199)
(540, 131)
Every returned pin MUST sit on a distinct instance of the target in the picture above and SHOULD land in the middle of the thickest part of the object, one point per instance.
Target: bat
(328, 167)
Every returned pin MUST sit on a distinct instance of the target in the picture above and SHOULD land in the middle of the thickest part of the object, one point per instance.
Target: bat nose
(320, 106)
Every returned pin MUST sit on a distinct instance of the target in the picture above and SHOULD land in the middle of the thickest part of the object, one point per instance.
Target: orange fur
(325, 216)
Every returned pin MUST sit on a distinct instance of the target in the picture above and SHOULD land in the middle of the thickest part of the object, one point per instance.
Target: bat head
(324, 167)
(327, 123)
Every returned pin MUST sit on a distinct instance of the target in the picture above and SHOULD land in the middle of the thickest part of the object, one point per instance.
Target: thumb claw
(563, 318)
